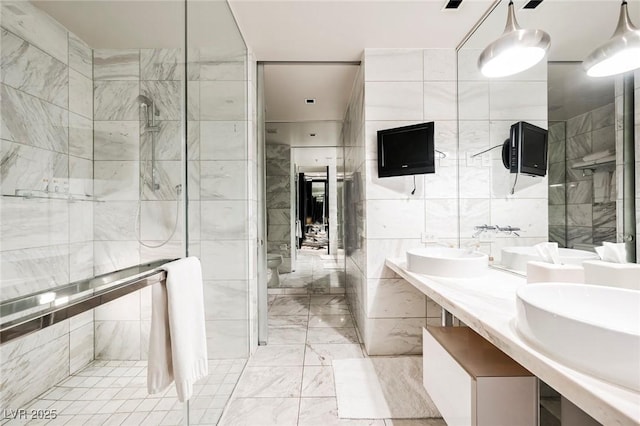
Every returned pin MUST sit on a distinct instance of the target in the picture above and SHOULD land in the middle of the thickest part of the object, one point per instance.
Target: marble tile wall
(557, 183)
(591, 213)
(223, 194)
(279, 193)
(637, 150)
(401, 87)
(46, 143)
(487, 110)
(122, 164)
(353, 129)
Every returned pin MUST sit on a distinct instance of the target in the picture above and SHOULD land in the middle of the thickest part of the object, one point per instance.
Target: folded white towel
(597, 155)
(601, 186)
(613, 252)
(178, 341)
(548, 252)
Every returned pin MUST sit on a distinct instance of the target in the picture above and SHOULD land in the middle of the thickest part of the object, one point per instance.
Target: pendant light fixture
(516, 50)
(620, 54)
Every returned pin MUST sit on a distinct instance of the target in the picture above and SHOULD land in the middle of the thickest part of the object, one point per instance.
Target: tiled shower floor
(115, 393)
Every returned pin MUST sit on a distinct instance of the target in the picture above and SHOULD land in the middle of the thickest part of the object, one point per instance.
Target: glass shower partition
(124, 144)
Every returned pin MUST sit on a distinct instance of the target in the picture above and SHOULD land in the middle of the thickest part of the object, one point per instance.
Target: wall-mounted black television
(407, 150)
(526, 149)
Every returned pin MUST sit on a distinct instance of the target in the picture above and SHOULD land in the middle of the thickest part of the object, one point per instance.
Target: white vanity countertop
(487, 304)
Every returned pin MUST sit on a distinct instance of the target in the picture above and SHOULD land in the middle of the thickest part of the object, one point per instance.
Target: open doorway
(313, 210)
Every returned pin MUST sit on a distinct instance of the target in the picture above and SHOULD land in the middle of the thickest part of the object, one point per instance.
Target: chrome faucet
(509, 230)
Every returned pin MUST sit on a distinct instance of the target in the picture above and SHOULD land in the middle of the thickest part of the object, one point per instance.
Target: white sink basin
(593, 329)
(517, 257)
(447, 262)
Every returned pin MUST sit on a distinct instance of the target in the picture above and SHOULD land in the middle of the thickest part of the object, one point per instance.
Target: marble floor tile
(328, 300)
(332, 335)
(324, 411)
(324, 354)
(287, 335)
(278, 355)
(415, 422)
(318, 381)
(332, 321)
(289, 307)
(329, 309)
(288, 320)
(262, 411)
(265, 382)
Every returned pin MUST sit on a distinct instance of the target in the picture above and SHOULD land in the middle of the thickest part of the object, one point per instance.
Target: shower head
(148, 103)
(144, 100)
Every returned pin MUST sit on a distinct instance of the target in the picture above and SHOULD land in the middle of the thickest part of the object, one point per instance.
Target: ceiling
(298, 134)
(287, 86)
(326, 30)
(571, 92)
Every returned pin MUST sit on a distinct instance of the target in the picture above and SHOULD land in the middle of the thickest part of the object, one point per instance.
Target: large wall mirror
(580, 203)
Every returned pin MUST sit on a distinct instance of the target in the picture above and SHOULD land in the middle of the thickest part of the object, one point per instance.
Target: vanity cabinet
(474, 383)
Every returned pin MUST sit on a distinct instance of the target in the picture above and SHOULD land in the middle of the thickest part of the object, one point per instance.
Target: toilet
(274, 260)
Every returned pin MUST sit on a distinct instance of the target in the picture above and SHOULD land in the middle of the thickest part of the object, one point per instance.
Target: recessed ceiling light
(532, 4)
(312, 134)
(272, 131)
(453, 4)
(310, 101)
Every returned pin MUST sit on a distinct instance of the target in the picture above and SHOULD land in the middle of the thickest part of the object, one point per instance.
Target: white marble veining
(325, 353)
(391, 336)
(80, 94)
(393, 64)
(31, 270)
(80, 347)
(394, 298)
(530, 104)
(116, 64)
(27, 68)
(31, 121)
(227, 259)
(222, 140)
(80, 136)
(167, 175)
(48, 365)
(157, 220)
(224, 220)
(116, 140)
(167, 97)
(317, 382)
(47, 223)
(264, 411)
(488, 306)
(382, 388)
(126, 308)
(227, 339)
(225, 300)
(383, 218)
(440, 100)
(223, 180)
(269, 382)
(117, 340)
(473, 100)
(80, 56)
(394, 100)
(439, 65)
(115, 100)
(113, 255)
(222, 70)
(168, 142)
(35, 26)
(81, 218)
(116, 180)
(161, 64)
(222, 100)
(25, 167)
(80, 261)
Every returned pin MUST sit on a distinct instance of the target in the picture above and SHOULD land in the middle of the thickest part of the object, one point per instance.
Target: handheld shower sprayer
(150, 112)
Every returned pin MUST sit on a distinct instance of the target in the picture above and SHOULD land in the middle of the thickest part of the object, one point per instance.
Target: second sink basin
(447, 262)
(517, 257)
(594, 329)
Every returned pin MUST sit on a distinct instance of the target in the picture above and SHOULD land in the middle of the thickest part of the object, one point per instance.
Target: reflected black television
(407, 150)
(526, 150)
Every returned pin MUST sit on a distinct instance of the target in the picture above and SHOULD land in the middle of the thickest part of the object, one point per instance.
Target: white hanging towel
(178, 342)
(601, 187)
